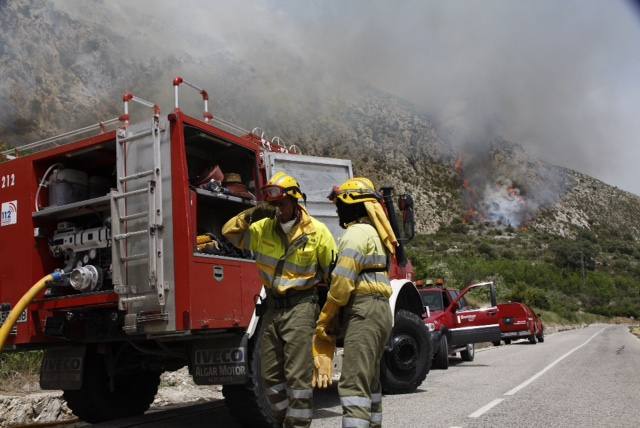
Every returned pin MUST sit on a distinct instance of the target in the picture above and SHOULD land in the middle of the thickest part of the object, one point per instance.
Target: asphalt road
(588, 377)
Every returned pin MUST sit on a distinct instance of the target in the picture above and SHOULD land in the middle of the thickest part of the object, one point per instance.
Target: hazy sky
(558, 77)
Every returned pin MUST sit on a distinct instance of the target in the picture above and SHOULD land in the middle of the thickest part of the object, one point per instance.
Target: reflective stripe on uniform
(281, 405)
(246, 240)
(376, 397)
(356, 401)
(374, 277)
(276, 388)
(300, 270)
(296, 282)
(266, 278)
(300, 393)
(299, 413)
(266, 260)
(345, 273)
(370, 259)
(354, 423)
(376, 418)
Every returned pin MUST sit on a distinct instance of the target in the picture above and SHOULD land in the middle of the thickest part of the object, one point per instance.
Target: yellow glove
(326, 319)
(323, 350)
(324, 346)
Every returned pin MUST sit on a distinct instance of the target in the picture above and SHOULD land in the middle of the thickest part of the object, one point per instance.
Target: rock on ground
(42, 407)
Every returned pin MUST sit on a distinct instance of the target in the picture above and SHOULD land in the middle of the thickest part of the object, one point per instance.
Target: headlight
(431, 326)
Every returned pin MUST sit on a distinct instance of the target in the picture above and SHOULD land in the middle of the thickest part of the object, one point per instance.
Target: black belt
(291, 298)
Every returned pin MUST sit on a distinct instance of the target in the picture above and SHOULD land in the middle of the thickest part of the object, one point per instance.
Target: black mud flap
(475, 334)
(220, 361)
(62, 368)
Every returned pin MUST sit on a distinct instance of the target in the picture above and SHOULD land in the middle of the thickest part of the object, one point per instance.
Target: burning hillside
(504, 187)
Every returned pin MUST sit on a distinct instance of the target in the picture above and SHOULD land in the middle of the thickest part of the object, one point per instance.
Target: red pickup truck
(457, 327)
(519, 321)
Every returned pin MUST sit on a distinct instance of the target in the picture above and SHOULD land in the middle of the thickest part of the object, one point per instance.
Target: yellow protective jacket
(360, 248)
(297, 261)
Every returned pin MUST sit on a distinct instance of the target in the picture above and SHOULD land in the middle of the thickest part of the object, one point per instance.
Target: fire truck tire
(532, 339)
(405, 366)
(441, 359)
(541, 338)
(95, 402)
(248, 403)
(507, 341)
(497, 343)
(469, 353)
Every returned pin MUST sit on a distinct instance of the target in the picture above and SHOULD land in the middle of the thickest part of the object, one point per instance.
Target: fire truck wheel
(507, 341)
(441, 359)
(532, 339)
(541, 338)
(95, 402)
(405, 366)
(469, 353)
(497, 343)
(248, 403)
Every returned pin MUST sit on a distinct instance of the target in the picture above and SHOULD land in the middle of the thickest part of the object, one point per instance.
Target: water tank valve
(84, 278)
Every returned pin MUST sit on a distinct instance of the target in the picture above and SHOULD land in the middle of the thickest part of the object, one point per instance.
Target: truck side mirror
(405, 204)
(455, 306)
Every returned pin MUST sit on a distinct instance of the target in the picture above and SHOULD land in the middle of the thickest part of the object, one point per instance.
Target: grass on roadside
(19, 369)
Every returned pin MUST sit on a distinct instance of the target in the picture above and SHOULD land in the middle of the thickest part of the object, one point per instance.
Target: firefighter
(360, 291)
(293, 253)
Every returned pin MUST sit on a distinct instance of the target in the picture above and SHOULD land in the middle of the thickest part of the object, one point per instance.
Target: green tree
(575, 255)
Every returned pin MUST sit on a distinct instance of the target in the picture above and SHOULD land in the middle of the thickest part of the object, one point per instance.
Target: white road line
(544, 370)
(484, 409)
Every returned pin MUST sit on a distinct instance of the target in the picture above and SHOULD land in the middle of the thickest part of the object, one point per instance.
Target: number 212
(8, 180)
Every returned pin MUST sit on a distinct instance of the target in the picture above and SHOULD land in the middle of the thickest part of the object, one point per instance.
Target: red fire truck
(126, 215)
(456, 326)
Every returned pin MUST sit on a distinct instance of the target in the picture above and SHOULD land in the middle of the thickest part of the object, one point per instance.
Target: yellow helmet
(355, 190)
(281, 185)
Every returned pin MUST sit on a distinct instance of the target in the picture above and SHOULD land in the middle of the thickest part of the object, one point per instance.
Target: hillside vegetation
(566, 276)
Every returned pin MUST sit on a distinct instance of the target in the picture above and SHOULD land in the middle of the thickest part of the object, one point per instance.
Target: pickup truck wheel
(532, 339)
(469, 353)
(507, 341)
(441, 359)
(248, 403)
(541, 337)
(405, 366)
(132, 394)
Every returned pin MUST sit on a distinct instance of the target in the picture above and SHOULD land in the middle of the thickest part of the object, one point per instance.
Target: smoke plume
(559, 78)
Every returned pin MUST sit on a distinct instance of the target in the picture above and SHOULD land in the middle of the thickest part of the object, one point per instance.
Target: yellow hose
(21, 305)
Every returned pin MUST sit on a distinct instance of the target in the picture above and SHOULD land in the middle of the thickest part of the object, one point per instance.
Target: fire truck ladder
(130, 185)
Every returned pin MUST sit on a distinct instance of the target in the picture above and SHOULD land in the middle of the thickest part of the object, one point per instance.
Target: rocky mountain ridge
(62, 72)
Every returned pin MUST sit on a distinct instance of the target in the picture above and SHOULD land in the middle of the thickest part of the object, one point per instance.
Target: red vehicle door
(474, 325)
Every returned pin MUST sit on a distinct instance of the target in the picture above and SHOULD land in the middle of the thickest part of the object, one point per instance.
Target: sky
(558, 77)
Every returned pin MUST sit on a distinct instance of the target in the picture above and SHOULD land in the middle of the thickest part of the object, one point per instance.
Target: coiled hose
(23, 303)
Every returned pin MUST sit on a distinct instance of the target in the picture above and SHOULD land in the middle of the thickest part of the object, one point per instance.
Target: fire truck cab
(130, 216)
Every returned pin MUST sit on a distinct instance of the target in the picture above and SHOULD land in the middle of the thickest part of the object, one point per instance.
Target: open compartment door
(316, 176)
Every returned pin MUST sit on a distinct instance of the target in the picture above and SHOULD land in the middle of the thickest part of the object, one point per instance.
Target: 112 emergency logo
(9, 214)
